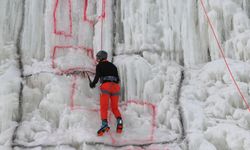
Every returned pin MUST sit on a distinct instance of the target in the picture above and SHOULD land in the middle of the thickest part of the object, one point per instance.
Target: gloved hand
(91, 85)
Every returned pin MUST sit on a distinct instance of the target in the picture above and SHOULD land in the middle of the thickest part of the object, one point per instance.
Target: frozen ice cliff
(176, 90)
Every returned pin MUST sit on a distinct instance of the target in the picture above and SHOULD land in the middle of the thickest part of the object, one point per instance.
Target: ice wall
(214, 113)
(176, 29)
(53, 29)
(148, 34)
(64, 110)
(246, 5)
(180, 30)
(10, 25)
(9, 98)
(33, 35)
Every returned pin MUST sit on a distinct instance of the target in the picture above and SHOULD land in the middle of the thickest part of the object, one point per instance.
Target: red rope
(223, 55)
(101, 34)
(102, 18)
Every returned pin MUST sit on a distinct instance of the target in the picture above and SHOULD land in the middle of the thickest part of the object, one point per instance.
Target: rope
(223, 55)
(102, 19)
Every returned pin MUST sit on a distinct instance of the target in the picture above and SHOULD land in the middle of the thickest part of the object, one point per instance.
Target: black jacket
(105, 68)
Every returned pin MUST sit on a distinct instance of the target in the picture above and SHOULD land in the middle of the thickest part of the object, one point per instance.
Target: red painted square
(86, 17)
(72, 52)
(62, 27)
(150, 137)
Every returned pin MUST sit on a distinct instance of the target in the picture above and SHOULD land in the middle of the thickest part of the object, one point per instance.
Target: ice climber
(110, 89)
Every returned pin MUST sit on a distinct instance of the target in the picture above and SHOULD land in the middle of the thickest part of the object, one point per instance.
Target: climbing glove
(91, 85)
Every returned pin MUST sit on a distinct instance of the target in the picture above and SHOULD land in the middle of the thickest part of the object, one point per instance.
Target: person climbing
(110, 89)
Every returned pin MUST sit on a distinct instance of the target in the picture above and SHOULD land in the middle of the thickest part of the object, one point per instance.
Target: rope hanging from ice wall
(223, 55)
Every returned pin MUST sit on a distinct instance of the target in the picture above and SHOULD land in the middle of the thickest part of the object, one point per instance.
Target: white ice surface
(10, 80)
(180, 30)
(98, 147)
(49, 120)
(9, 94)
(214, 113)
(148, 35)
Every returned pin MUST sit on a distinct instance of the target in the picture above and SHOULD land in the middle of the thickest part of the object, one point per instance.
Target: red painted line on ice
(61, 32)
(78, 107)
(73, 91)
(102, 34)
(153, 107)
(223, 55)
(85, 9)
(89, 52)
(69, 34)
(137, 102)
(102, 19)
(55, 49)
(85, 17)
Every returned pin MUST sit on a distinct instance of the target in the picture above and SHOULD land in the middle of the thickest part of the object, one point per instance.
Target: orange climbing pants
(109, 90)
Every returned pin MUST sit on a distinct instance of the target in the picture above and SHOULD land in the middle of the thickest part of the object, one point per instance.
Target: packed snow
(176, 93)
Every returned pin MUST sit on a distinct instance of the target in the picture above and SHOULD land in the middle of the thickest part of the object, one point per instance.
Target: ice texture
(180, 29)
(10, 80)
(64, 110)
(213, 111)
(155, 45)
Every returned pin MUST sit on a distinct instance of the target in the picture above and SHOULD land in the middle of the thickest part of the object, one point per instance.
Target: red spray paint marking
(73, 90)
(101, 17)
(137, 102)
(72, 94)
(153, 124)
(89, 52)
(78, 107)
(153, 108)
(223, 55)
(69, 34)
(142, 103)
(85, 17)
(61, 32)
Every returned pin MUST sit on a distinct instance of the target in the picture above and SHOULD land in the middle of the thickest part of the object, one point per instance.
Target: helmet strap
(103, 60)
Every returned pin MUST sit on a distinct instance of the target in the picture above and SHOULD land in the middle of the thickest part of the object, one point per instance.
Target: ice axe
(89, 78)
